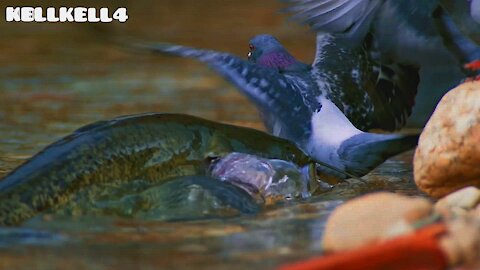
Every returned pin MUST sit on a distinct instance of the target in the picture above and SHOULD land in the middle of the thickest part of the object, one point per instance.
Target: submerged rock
(448, 152)
(459, 202)
(372, 217)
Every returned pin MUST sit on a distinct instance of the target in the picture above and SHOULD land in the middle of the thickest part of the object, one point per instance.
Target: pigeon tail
(336, 141)
(363, 152)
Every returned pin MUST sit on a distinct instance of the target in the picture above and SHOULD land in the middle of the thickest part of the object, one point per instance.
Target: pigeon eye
(251, 50)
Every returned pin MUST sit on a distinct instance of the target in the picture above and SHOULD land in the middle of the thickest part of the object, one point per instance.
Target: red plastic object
(417, 251)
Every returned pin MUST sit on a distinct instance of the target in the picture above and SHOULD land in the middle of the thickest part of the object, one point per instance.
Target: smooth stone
(462, 242)
(459, 202)
(371, 218)
(448, 152)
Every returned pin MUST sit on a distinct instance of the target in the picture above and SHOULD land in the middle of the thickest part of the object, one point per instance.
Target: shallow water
(56, 78)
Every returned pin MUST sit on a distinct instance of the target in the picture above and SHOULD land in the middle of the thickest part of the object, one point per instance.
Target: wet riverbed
(55, 78)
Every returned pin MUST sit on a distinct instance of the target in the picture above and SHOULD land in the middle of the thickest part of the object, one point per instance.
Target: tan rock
(370, 218)
(462, 242)
(459, 202)
(448, 153)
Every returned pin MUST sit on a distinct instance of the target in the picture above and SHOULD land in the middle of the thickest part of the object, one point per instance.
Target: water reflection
(10, 237)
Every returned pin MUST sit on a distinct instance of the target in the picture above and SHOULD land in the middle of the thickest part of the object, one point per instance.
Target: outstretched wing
(372, 91)
(371, 94)
(273, 94)
(403, 29)
(349, 18)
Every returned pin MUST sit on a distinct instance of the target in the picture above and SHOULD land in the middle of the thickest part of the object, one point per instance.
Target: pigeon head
(266, 51)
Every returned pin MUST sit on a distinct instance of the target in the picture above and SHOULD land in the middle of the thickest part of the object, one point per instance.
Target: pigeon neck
(279, 59)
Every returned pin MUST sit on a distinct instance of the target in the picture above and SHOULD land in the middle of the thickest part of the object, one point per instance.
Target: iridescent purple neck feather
(266, 51)
(278, 59)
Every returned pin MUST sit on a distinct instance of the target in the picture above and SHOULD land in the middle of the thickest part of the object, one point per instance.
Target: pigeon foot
(473, 66)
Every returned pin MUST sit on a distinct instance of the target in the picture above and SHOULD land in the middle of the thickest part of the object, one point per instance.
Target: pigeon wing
(372, 94)
(349, 18)
(273, 94)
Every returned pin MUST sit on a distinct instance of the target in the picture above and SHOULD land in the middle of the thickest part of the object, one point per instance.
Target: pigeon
(403, 32)
(372, 95)
(315, 105)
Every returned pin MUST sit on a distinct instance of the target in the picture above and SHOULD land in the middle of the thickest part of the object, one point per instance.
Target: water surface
(55, 78)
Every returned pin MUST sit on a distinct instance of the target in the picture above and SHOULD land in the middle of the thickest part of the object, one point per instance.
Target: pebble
(448, 154)
(459, 202)
(372, 217)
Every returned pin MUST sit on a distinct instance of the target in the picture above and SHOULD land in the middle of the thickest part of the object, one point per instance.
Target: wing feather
(275, 95)
(349, 18)
(372, 94)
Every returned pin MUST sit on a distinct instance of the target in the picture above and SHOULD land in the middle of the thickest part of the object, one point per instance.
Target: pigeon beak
(249, 55)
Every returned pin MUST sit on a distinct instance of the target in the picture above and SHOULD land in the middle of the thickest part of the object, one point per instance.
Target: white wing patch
(330, 125)
(330, 128)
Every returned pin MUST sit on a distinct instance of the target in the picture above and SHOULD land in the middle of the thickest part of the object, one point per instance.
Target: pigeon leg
(451, 36)
(465, 50)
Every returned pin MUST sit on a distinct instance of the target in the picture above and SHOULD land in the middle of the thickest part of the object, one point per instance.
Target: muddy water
(57, 77)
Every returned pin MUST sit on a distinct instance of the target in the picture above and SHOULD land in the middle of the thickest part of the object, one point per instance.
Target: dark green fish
(182, 198)
(153, 147)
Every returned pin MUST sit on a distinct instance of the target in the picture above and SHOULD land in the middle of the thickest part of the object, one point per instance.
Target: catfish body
(154, 147)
